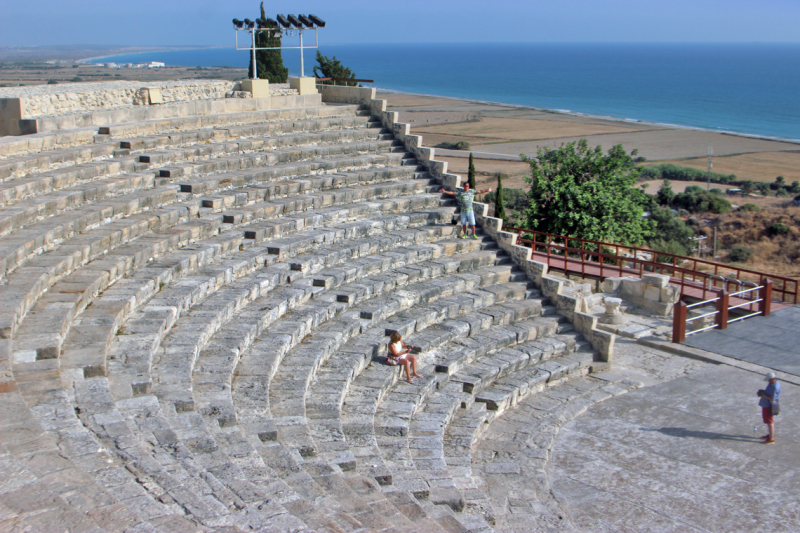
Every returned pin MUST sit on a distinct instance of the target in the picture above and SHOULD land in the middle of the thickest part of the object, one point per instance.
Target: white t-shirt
(398, 347)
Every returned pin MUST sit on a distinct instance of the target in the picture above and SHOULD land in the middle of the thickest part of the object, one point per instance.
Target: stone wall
(653, 292)
(42, 100)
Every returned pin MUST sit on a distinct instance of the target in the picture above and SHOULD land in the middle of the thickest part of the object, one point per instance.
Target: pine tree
(471, 174)
(269, 62)
(499, 207)
(333, 68)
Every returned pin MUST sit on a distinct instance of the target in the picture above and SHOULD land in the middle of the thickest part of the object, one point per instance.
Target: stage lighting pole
(253, 50)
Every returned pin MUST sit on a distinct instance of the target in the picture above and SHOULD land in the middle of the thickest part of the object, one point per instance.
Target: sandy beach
(509, 130)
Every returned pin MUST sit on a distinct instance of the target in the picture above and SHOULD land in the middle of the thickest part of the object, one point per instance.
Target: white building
(155, 64)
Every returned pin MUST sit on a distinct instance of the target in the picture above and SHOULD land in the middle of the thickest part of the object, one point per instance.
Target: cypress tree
(471, 174)
(269, 62)
(499, 208)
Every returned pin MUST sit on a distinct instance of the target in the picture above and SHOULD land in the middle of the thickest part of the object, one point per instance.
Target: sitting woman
(400, 354)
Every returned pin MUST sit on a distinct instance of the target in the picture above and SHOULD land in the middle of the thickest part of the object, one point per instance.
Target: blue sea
(743, 88)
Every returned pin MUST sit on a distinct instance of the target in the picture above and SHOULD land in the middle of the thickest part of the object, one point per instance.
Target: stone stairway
(195, 319)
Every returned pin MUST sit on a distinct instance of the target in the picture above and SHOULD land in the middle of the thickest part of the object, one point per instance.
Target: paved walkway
(681, 456)
(772, 342)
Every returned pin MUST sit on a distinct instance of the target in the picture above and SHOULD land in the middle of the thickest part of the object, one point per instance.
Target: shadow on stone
(683, 432)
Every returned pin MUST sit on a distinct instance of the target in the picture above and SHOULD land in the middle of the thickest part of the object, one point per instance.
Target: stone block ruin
(196, 301)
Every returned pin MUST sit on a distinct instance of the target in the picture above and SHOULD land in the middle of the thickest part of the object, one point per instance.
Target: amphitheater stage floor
(681, 456)
(773, 342)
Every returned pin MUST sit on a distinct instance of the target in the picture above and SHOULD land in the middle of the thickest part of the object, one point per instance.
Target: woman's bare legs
(414, 366)
(406, 365)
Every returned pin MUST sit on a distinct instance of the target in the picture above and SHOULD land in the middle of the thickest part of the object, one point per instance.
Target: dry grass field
(759, 166)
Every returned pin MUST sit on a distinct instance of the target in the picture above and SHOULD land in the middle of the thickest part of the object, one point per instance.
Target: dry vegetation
(778, 254)
(761, 166)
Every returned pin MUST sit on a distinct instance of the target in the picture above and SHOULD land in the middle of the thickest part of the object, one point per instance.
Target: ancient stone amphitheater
(196, 298)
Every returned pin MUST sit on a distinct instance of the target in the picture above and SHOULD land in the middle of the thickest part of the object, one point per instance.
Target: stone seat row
(45, 142)
(437, 325)
(70, 295)
(70, 254)
(58, 218)
(32, 199)
(67, 166)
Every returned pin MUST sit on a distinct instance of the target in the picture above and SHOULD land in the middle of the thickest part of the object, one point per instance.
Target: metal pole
(302, 70)
(715, 243)
(710, 166)
(253, 52)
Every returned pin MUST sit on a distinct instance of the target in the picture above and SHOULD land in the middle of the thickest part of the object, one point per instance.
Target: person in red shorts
(768, 399)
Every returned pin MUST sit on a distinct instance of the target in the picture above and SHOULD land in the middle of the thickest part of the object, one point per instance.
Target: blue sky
(207, 22)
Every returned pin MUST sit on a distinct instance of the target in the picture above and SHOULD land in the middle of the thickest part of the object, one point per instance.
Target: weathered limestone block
(613, 314)
(656, 280)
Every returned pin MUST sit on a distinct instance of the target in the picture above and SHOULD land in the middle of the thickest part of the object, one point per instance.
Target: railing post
(766, 297)
(679, 313)
(722, 310)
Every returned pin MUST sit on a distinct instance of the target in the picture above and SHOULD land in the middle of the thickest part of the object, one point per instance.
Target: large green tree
(471, 174)
(269, 62)
(583, 192)
(333, 68)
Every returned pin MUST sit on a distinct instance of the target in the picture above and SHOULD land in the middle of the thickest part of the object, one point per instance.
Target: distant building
(155, 64)
(111, 65)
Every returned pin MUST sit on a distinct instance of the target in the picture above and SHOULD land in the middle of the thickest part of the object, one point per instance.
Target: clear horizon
(152, 23)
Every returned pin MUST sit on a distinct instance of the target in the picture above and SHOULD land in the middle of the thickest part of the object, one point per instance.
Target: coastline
(625, 121)
(159, 49)
(498, 132)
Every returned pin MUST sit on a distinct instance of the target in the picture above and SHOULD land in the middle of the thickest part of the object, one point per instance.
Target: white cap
(769, 376)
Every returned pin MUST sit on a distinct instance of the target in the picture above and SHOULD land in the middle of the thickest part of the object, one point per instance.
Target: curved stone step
(27, 291)
(518, 489)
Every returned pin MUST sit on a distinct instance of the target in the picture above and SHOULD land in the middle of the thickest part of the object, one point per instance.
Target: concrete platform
(681, 456)
(773, 342)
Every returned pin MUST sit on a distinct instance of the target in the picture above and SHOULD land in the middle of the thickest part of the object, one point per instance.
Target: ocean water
(743, 88)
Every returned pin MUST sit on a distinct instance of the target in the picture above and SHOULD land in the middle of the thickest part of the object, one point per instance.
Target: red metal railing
(723, 307)
(695, 277)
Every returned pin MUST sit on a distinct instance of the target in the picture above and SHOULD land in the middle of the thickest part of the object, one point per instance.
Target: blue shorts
(468, 218)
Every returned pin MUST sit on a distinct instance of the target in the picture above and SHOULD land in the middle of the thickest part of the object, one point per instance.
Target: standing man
(464, 198)
(769, 398)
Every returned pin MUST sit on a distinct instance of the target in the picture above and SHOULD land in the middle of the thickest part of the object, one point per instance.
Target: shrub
(76, 78)
(750, 208)
(696, 200)
(670, 248)
(716, 191)
(781, 193)
(665, 194)
(776, 228)
(674, 172)
(740, 253)
(52, 82)
(460, 145)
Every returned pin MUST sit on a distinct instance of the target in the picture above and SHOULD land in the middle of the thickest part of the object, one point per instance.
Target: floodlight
(305, 21)
(238, 23)
(296, 23)
(249, 23)
(282, 21)
(316, 20)
(271, 23)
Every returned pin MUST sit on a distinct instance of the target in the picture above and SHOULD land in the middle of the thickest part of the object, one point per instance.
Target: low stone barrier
(44, 100)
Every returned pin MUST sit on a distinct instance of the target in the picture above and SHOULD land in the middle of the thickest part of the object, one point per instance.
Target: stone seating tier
(196, 308)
